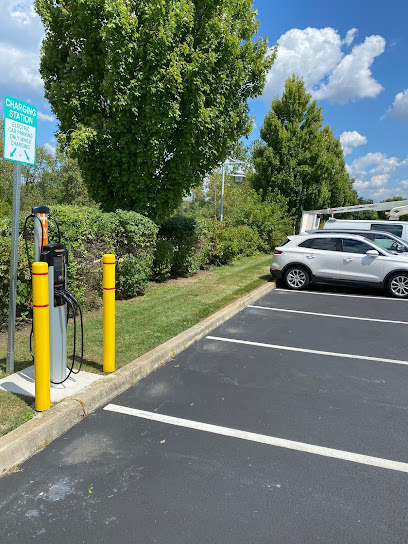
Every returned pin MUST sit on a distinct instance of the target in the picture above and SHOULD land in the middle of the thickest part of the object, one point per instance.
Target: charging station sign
(20, 131)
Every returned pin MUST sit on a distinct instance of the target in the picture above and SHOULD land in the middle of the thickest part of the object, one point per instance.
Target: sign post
(20, 129)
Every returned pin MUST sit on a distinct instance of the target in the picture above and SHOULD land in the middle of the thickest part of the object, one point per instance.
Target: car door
(323, 256)
(357, 266)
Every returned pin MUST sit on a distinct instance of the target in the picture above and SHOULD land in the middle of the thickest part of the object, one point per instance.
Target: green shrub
(88, 233)
(265, 214)
(187, 235)
(226, 243)
(163, 259)
(132, 276)
(23, 301)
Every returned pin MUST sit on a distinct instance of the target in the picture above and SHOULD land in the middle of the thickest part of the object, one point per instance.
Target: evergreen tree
(298, 157)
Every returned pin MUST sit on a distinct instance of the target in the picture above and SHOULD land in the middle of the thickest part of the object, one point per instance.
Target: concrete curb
(20, 444)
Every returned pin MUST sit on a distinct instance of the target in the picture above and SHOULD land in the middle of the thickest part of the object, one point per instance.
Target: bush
(132, 276)
(187, 236)
(265, 214)
(23, 302)
(226, 243)
(163, 259)
(88, 233)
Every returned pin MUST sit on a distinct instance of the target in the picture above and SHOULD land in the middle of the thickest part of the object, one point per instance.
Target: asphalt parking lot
(287, 424)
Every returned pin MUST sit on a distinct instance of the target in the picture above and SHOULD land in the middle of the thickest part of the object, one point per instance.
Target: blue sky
(353, 56)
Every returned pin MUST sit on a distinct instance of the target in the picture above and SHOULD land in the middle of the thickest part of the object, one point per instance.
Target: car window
(284, 243)
(394, 229)
(355, 246)
(326, 244)
(384, 242)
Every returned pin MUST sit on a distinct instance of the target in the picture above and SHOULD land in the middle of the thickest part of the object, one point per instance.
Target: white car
(339, 258)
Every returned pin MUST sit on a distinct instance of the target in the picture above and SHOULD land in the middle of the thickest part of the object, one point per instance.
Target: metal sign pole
(20, 131)
(13, 267)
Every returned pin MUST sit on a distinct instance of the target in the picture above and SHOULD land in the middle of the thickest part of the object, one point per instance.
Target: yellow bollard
(41, 326)
(109, 313)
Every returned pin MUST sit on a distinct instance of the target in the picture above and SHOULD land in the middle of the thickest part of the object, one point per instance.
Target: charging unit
(61, 300)
(55, 255)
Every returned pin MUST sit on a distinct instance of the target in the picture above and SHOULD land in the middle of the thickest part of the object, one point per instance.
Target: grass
(144, 322)
(14, 411)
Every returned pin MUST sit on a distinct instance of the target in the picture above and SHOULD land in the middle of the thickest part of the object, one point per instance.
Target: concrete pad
(22, 383)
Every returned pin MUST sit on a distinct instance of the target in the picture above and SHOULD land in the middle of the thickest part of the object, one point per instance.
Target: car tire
(296, 278)
(397, 285)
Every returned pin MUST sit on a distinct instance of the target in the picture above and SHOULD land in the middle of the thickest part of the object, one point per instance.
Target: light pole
(239, 176)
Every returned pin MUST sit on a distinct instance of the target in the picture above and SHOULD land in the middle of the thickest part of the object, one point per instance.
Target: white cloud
(373, 175)
(45, 117)
(380, 180)
(317, 56)
(21, 33)
(404, 183)
(351, 34)
(18, 66)
(350, 140)
(351, 79)
(381, 194)
(50, 148)
(374, 163)
(399, 108)
(22, 12)
(358, 184)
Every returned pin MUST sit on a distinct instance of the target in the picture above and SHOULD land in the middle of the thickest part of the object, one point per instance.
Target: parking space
(284, 425)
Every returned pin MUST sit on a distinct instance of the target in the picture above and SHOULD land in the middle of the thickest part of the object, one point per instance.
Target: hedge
(88, 233)
(180, 247)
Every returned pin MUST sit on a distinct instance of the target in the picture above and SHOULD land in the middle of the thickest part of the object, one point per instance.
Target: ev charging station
(60, 305)
(61, 300)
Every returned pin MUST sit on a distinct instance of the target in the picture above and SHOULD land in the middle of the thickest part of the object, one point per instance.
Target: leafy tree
(150, 94)
(53, 179)
(298, 158)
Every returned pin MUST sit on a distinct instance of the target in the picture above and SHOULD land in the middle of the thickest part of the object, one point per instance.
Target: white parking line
(340, 295)
(329, 315)
(262, 439)
(305, 350)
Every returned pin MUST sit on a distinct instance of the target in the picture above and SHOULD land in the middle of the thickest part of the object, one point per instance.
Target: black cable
(71, 370)
(70, 296)
(75, 301)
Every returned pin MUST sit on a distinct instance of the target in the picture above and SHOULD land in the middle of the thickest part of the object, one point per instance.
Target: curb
(21, 443)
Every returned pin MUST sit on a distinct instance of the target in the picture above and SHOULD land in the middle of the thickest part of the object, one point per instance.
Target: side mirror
(372, 253)
(400, 248)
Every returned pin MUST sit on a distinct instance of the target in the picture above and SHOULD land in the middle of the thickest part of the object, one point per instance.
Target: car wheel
(397, 285)
(296, 277)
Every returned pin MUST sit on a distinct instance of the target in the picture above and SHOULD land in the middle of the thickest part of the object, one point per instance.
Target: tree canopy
(298, 157)
(53, 179)
(150, 94)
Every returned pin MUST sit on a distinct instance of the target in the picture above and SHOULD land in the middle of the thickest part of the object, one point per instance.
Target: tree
(298, 158)
(150, 94)
(53, 179)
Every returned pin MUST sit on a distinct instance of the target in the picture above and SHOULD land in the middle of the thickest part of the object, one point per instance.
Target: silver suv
(339, 258)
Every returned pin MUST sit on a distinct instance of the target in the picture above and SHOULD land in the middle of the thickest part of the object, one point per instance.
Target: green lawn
(144, 322)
